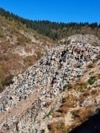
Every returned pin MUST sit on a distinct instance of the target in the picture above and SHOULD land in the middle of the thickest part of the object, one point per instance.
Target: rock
(49, 77)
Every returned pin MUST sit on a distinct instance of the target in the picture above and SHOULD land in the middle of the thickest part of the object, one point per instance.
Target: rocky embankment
(27, 105)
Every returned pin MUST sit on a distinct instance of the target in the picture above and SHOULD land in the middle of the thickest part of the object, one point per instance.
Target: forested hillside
(55, 30)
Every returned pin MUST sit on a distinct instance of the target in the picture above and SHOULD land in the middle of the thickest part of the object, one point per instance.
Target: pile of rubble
(49, 77)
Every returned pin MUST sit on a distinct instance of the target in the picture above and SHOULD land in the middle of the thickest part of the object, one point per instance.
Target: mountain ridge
(54, 30)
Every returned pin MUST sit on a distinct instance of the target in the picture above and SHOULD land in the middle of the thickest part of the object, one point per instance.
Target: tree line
(54, 30)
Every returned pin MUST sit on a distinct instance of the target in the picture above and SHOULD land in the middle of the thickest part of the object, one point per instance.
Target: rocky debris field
(86, 38)
(27, 105)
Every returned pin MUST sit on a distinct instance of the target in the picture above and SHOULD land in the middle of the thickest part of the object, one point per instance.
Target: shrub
(7, 80)
(91, 80)
(1, 35)
(42, 131)
(64, 87)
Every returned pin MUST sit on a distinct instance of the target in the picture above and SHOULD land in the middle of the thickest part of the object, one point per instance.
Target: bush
(1, 35)
(7, 81)
(64, 87)
(91, 80)
(1, 87)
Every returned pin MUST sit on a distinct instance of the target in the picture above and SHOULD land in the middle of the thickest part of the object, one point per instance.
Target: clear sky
(55, 10)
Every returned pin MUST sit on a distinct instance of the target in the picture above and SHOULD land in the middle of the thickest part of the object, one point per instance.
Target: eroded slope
(36, 101)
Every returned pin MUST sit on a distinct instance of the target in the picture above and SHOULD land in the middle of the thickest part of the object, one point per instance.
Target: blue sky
(55, 10)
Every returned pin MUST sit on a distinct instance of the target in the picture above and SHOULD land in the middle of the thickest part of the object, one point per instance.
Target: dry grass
(13, 35)
(82, 113)
(71, 109)
(58, 127)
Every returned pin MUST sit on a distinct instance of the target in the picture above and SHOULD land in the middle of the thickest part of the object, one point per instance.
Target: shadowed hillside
(90, 126)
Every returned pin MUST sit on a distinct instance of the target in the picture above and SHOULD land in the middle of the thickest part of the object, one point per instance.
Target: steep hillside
(54, 30)
(55, 95)
(48, 86)
(20, 47)
(23, 41)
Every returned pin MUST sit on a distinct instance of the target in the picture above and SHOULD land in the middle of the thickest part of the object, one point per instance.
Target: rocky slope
(20, 47)
(86, 38)
(55, 95)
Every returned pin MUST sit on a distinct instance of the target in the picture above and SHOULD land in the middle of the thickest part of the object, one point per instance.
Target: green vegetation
(42, 131)
(5, 82)
(49, 113)
(64, 87)
(91, 80)
(55, 30)
(64, 100)
(1, 35)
